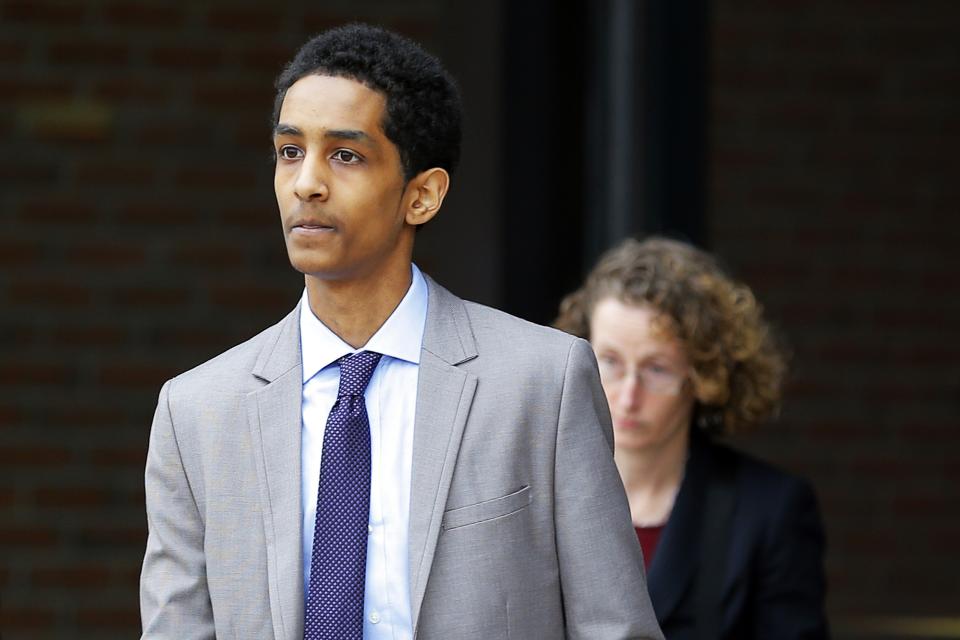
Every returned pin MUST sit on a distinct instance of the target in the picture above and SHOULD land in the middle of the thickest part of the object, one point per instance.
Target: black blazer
(773, 584)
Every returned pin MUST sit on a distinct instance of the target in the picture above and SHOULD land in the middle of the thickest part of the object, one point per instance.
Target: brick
(159, 216)
(72, 121)
(932, 82)
(255, 138)
(137, 375)
(18, 253)
(143, 15)
(186, 57)
(148, 296)
(119, 173)
(85, 337)
(920, 581)
(78, 577)
(27, 537)
(235, 98)
(908, 318)
(944, 541)
(263, 217)
(137, 497)
(7, 498)
(33, 456)
(115, 618)
(72, 497)
(18, 335)
(841, 432)
(38, 374)
(120, 457)
(32, 89)
(15, 618)
(58, 209)
(244, 19)
(188, 338)
(922, 506)
(130, 577)
(215, 178)
(132, 89)
(869, 542)
(25, 174)
(883, 466)
(264, 57)
(114, 537)
(927, 356)
(12, 53)
(251, 298)
(10, 415)
(77, 415)
(43, 13)
(169, 134)
(417, 29)
(50, 294)
(106, 255)
(211, 257)
(93, 53)
(316, 21)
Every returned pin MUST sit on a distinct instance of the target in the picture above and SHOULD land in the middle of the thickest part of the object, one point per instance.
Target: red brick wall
(139, 237)
(835, 191)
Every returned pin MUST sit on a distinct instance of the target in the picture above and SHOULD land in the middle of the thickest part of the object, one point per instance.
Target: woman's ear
(425, 194)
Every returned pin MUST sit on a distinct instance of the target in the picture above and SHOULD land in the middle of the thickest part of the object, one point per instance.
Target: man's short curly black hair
(423, 111)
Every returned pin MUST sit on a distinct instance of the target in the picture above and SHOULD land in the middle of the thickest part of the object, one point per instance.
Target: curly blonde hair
(738, 365)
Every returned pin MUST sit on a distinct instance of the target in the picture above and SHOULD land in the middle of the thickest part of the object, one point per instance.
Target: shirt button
(369, 528)
(374, 617)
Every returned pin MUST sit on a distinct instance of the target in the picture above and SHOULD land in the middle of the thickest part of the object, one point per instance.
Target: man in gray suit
(479, 498)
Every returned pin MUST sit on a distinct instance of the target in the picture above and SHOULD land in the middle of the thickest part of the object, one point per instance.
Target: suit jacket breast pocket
(487, 510)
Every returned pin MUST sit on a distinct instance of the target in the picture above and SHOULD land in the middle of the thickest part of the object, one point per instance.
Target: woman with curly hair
(733, 547)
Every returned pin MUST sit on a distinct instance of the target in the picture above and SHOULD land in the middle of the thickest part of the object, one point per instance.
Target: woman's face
(644, 372)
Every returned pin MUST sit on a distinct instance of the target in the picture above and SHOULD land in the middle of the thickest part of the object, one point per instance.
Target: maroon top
(649, 537)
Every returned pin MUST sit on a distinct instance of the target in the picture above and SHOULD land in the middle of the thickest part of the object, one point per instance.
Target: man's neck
(355, 309)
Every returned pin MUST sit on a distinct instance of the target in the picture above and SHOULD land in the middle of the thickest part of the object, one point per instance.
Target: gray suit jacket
(519, 527)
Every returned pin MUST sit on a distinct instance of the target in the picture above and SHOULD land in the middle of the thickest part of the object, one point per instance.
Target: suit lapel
(274, 416)
(444, 396)
(676, 558)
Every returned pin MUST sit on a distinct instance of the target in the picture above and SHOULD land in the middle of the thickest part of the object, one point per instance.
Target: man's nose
(311, 183)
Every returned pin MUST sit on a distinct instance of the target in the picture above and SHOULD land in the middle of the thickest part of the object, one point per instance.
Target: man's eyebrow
(348, 134)
(286, 130)
(336, 134)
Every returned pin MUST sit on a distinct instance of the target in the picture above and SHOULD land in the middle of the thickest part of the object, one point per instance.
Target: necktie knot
(356, 370)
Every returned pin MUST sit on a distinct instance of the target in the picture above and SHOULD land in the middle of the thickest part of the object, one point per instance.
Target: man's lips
(311, 226)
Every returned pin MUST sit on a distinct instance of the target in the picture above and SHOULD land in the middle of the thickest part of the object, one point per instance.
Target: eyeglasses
(655, 378)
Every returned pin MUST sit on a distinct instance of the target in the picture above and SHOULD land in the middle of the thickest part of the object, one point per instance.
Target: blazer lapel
(273, 414)
(677, 555)
(444, 396)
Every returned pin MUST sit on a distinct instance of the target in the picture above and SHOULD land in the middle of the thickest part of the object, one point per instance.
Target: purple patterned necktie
(334, 608)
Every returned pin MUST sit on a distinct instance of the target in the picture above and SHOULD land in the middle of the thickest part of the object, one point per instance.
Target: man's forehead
(320, 97)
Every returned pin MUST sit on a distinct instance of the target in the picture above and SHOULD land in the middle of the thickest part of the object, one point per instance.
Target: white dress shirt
(391, 404)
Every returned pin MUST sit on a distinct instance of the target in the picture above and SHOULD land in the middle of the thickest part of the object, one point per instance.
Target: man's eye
(346, 157)
(290, 152)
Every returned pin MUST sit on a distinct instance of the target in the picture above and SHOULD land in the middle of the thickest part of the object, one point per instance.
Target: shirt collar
(399, 337)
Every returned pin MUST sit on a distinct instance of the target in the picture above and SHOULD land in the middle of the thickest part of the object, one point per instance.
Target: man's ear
(425, 193)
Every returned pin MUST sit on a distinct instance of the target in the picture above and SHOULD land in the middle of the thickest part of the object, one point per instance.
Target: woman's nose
(630, 392)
